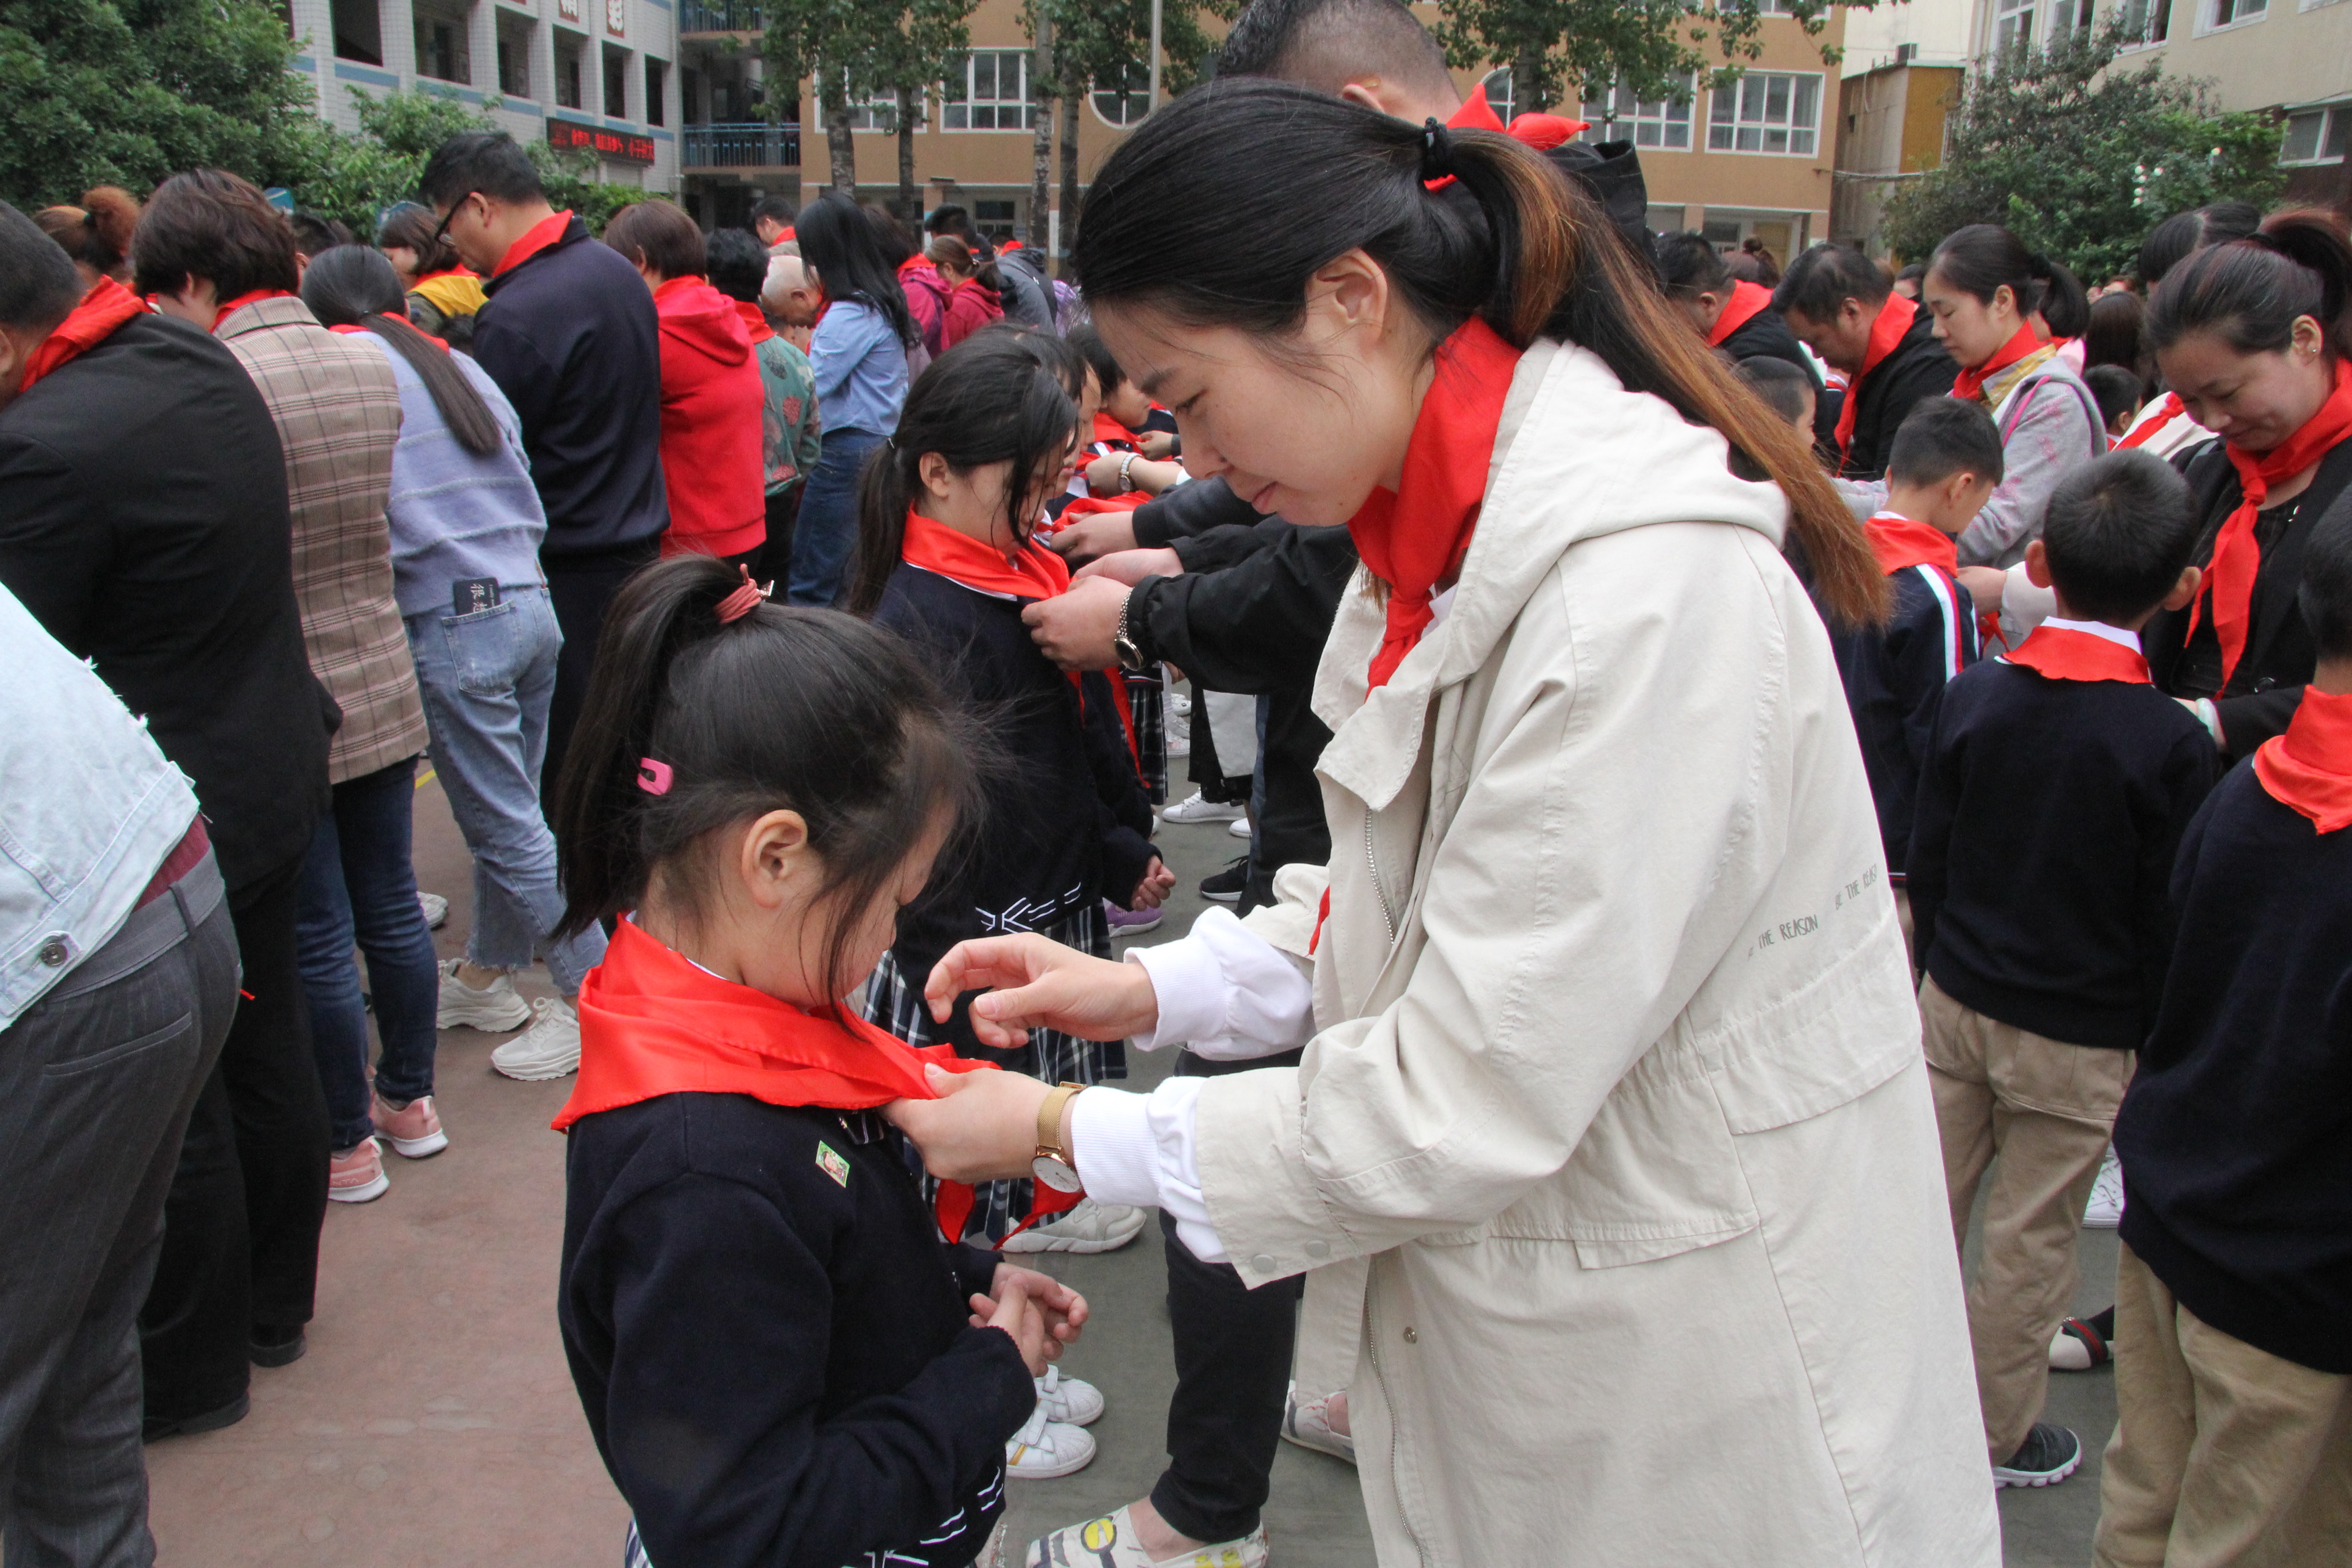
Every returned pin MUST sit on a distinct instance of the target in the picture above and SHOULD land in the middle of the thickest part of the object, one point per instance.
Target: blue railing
(720, 16)
(748, 145)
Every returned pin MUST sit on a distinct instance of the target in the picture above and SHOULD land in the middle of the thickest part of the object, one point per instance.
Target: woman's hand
(1985, 585)
(1013, 1312)
(1076, 629)
(981, 1128)
(1063, 1308)
(1158, 882)
(1104, 534)
(1133, 566)
(1033, 984)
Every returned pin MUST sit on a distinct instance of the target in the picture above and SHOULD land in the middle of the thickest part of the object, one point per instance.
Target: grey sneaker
(1089, 1227)
(2048, 1456)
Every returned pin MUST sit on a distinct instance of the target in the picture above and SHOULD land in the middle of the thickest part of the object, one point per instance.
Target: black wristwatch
(1122, 641)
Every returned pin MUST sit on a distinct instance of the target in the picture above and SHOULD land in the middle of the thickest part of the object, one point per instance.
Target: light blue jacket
(861, 369)
(89, 811)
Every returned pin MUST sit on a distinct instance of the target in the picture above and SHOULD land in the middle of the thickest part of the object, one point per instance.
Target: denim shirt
(90, 810)
(861, 369)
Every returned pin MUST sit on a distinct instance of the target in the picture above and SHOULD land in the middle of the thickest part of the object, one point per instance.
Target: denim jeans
(827, 531)
(357, 884)
(486, 679)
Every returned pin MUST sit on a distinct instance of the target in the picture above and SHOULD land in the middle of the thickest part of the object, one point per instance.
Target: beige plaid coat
(338, 414)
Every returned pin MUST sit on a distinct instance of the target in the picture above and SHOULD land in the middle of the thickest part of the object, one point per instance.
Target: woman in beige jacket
(1611, 1065)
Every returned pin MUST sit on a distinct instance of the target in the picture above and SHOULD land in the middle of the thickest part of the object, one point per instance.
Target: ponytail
(1299, 178)
(1984, 259)
(355, 286)
(693, 724)
(2252, 290)
(2065, 308)
(998, 396)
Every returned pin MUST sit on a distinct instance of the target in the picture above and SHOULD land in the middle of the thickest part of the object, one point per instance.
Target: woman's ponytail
(2065, 308)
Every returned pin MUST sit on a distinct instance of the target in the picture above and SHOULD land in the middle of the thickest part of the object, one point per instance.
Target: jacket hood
(696, 316)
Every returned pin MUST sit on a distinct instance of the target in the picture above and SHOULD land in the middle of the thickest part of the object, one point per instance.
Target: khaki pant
(2222, 1453)
(2038, 1112)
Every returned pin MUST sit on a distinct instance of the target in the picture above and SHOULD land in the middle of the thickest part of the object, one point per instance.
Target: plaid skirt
(1147, 705)
(894, 1000)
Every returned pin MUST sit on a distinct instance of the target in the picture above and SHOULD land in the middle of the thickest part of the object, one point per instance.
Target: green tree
(843, 50)
(1106, 44)
(2080, 160)
(1651, 47)
(930, 35)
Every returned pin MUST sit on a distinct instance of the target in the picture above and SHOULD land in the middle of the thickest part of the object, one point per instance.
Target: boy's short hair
(2118, 390)
(737, 264)
(489, 162)
(1789, 390)
(2117, 532)
(1942, 436)
(778, 210)
(2327, 594)
(1097, 355)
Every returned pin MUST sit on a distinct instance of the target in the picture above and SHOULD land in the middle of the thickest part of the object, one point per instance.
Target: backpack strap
(2020, 396)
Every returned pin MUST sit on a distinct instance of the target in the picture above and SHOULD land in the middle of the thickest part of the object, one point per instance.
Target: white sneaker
(1179, 744)
(1072, 1401)
(1195, 807)
(436, 910)
(2106, 1209)
(1239, 827)
(1111, 1542)
(1089, 1227)
(1179, 705)
(1044, 1449)
(549, 1048)
(494, 1009)
(1308, 1423)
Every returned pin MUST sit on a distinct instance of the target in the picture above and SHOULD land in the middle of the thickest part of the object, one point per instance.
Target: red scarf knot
(2062, 653)
(1970, 381)
(1414, 537)
(1886, 331)
(2309, 768)
(98, 316)
(1746, 302)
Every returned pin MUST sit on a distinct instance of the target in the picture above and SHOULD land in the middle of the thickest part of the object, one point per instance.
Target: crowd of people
(1701, 728)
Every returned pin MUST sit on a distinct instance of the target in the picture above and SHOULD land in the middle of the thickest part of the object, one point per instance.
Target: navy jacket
(1917, 367)
(570, 338)
(1067, 822)
(771, 1342)
(2236, 1136)
(2049, 813)
(1894, 680)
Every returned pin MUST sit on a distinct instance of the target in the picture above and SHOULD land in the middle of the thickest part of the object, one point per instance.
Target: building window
(993, 219)
(2317, 135)
(1502, 97)
(514, 59)
(616, 84)
(359, 31)
(1646, 123)
(567, 77)
(441, 51)
(1766, 111)
(990, 92)
(2012, 24)
(1124, 100)
(2147, 21)
(656, 90)
(2230, 13)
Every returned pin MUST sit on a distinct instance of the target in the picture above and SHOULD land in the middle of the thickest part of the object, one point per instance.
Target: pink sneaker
(356, 1175)
(414, 1129)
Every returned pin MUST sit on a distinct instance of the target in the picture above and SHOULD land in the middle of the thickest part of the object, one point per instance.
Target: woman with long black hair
(1612, 1135)
(859, 353)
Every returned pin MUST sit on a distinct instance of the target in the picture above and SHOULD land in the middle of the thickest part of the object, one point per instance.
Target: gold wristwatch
(1055, 1165)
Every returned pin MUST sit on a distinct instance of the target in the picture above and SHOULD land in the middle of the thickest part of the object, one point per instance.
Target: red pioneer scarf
(2152, 423)
(437, 342)
(756, 320)
(2310, 766)
(1899, 542)
(546, 232)
(1970, 382)
(99, 315)
(1747, 299)
(252, 297)
(1542, 132)
(652, 1023)
(1894, 320)
(1414, 537)
(1109, 432)
(2062, 653)
(2237, 554)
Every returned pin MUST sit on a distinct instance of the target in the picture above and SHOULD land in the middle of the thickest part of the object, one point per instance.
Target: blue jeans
(357, 883)
(486, 679)
(827, 528)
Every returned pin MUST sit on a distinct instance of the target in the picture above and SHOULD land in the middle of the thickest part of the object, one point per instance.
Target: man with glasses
(570, 336)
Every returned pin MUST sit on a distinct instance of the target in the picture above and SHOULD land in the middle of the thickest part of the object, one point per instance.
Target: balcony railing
(750, 145)
(720, 16)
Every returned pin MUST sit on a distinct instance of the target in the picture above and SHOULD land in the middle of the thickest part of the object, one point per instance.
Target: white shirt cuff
(1227, 992)
(1141, 1149)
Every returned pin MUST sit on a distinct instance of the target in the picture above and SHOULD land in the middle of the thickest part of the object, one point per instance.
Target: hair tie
(1436, 153)
(749, 596)
(653, 777)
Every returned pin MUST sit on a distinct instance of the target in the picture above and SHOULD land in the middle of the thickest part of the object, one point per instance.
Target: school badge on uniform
(832, 1165)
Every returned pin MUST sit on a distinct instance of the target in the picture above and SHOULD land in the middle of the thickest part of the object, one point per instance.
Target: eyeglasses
(441, 230)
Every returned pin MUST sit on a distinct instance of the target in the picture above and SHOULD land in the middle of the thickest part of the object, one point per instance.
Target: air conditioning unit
(1906, 53)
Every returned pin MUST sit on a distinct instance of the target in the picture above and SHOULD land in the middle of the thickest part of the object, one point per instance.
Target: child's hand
(1158, 882)
(1013, 1312)
(1064, 1309)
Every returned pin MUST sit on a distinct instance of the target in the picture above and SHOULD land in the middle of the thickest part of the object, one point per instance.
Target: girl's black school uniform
(1067, 822)
(2236, 1136)
(2260, 698)
(1894, 678)
(771, 1342)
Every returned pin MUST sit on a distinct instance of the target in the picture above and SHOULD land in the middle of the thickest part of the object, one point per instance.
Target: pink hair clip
(743, 600)
(653, 777)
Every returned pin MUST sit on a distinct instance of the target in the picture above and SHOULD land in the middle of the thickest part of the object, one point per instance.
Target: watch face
(1055, 1174)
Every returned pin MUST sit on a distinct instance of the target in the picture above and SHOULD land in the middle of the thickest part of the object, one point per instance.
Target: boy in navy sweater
(2233, 1368)
(1945, 464)
(2057, 787)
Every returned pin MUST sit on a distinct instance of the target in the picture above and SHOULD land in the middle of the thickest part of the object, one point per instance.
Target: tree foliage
(2079, 159)
(1653, 47)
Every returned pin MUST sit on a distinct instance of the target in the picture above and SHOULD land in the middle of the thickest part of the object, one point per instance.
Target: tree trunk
(1041, 173)
(838, 142)
(1074, 92)
(910, 208)
(1528, 94)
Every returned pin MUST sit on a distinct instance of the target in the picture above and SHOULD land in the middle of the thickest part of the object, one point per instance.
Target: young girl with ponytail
(945, 559)
(2252, 336)
(1612, 1138)
(781, 1361)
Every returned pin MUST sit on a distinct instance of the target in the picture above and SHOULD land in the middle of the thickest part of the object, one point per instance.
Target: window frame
(2244, 14)
(1134, 86)
(2334, 124)
(2154, 29)
(1606, 126)
(1765, 128)
(963, 97)
(655, 72)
